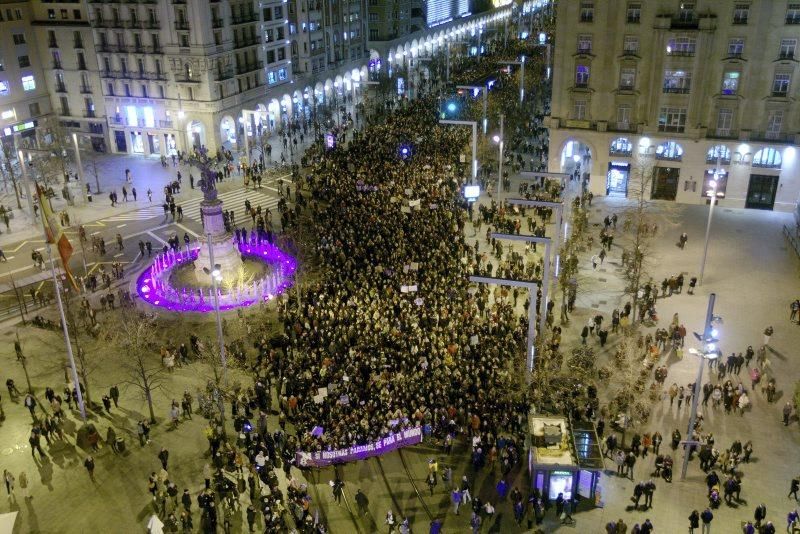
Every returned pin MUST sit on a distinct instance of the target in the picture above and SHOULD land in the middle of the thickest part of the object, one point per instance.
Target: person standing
(707, 517)
(787, 412)
(114, 391)
(88, 463)
(8, 478)
(251, 518)
(694, 521)
(362, 501)
(794, 485)
(760, 514)
(163, 455)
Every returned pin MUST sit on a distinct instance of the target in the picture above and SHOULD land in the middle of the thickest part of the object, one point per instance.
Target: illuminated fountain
(251, 271)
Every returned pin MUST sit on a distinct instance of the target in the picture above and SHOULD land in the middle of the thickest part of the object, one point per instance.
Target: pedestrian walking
(362, 501)
(8, 478)
(456, 498)
(114, 394)
(88, 463)
(163, 455)
(694, 521)
(706, 517)
(794, 485)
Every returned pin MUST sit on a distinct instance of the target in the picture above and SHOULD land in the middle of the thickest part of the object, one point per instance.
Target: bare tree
(641, 221)
(130, 332)
(53, 169)
(8, 170)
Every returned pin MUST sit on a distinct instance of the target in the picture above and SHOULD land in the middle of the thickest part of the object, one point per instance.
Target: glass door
(761, 192)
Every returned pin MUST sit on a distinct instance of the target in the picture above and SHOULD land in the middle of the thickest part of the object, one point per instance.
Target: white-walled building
(674, 87)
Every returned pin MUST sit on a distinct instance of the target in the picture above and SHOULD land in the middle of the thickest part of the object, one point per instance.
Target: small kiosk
(564, 458)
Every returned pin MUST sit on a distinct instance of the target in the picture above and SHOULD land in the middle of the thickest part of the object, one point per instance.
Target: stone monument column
(226, 254)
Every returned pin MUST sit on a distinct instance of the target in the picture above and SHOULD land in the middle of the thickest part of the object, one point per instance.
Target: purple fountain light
(154, 288)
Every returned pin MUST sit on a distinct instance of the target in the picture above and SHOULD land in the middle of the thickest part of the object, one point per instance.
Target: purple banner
(410, 436)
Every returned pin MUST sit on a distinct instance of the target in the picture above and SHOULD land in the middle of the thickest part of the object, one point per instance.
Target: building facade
(154, 76)
(682, 93)
(24, 96)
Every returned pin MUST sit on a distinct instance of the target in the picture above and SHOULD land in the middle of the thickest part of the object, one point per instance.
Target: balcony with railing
(248, 41)
(86, 89)
(178, 1)
(82, 65)
(676, 90)
(786, 55)
(733, 55)
(57, 64)
(249, 67)
(621, 127)
(217, 23)
(188, 78)
(684, 52)
(151, 25)
(65, 111)
(89, 114)
(626, 88)
(181, 24)
(723, 133)
(772, 137)
(684, 22)
(222, 75)
(783, 93)
(245, 19)
(793, 18)
(61, 88)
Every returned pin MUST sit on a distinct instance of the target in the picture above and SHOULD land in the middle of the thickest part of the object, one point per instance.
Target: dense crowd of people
(393, 326)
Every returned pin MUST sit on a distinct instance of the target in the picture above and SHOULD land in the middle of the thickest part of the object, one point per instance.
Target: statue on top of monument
(208, 177)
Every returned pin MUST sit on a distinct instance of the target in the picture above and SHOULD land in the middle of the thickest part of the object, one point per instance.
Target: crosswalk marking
(232, 200)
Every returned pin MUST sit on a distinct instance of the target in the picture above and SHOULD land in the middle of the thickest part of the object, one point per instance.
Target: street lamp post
(709, 352)
(216, 277)
(500, 140)
(474, 143)
(713, 194)
(23, 165)
(485, 100)
(80, 167)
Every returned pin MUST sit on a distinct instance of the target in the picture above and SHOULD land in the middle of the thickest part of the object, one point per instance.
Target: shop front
(617, 179)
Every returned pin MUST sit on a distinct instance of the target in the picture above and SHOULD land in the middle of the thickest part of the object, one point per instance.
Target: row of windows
(686, 13)
(28, 84)
(687, 46)
(680, 81)
(10, 114)
(673, 119)
(673, 151)
(11, 15)
(76, 14)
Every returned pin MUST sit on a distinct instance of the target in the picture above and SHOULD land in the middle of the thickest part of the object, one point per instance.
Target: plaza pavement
(750, 268)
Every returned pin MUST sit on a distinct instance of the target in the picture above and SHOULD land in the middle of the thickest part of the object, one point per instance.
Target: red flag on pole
(54, 233)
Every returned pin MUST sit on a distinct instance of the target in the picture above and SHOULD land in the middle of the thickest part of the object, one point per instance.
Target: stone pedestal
(226, 254)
